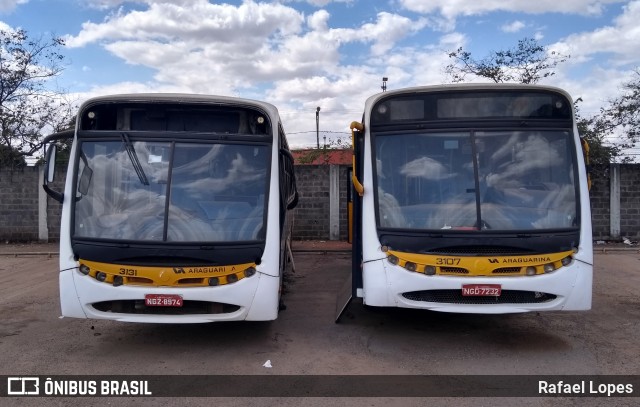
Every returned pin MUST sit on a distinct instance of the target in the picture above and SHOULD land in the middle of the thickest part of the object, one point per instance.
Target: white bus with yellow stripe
(472, 198)
(175, 209)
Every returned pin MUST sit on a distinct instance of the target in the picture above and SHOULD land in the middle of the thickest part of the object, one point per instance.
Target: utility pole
(318, 126)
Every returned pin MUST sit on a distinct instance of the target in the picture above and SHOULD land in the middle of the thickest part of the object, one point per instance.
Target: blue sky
(299, 54)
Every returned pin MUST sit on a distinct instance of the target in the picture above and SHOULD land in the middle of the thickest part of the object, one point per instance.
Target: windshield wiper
(134, 159)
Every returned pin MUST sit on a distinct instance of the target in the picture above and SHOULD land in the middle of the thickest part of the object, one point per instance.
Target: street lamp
(318, 126)
(384, 83)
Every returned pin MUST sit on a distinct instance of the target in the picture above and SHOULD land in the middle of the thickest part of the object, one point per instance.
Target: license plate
(163, 300)
(481, 290)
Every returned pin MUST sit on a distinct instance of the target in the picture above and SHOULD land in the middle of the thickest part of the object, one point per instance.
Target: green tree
(28, 107)
(623, 112)
(595, 130)
(527, 62)
(9, 157)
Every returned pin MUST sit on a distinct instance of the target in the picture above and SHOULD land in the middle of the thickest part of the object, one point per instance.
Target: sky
(332, 54)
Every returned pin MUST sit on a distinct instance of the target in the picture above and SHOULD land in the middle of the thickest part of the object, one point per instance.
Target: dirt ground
(304, 340)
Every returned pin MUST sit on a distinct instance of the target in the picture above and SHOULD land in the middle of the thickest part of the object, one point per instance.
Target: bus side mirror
(49, 173)
(50, 163)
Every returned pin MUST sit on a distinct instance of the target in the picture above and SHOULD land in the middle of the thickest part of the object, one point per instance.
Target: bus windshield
(164, 191)
(476, 180)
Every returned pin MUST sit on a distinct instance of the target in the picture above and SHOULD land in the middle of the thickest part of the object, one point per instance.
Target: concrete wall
(314, 217)
(321, 213)
(600, 207)
(19, 204)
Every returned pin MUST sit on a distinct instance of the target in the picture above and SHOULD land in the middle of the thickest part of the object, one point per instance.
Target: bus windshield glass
(476, 180)
(164, 191)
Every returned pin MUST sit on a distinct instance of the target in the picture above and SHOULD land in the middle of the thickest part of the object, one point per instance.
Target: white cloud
(513, 27)
(319, 3)
(197, 21)
(318, 21)
(254, 42)
(103, 4)
(6, 27)
(10, 5)
(454, 8)
(389, 29)
(297, 60)
(621, 40)
(268, 50)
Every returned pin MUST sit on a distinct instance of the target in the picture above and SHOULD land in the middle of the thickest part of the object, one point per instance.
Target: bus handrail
(356, 183)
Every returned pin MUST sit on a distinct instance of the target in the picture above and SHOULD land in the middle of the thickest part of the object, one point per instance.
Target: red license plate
(481, 290)
(163, 300)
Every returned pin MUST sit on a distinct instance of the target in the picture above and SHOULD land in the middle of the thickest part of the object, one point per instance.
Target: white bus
(474, 199)
(175, 209)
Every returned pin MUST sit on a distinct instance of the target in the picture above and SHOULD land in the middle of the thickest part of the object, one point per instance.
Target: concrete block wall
(312, 215)
(600, 207)
(615, 203)
(18, 204)
(630, 201)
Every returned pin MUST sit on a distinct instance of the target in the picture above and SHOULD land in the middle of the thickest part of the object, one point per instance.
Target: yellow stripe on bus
(493, 266)
(182, 276)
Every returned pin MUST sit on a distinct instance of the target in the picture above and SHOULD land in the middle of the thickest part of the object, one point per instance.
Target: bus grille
(453, 270)
(456, 297)
(507, 270)
(188, 308)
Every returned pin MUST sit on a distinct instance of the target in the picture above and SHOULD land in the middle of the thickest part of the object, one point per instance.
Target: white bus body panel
(384, 284)
(257, 297)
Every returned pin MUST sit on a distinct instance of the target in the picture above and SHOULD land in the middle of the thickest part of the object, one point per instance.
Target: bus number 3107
(447, 261)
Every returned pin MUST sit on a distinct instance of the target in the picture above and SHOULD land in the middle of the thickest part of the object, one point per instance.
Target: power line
(301, 111)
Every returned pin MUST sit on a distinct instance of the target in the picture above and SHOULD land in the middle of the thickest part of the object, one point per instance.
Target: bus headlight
(118, 281)
(100, 276)
(393, 259)
(531, 271)
(84, 269)
(250, 271)
(549, 267)
(566, 261)
(232, 278)
(213, 281)
(430, 270)
(410, 266)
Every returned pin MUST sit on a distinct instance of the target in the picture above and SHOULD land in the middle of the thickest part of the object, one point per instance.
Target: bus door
(354, 205)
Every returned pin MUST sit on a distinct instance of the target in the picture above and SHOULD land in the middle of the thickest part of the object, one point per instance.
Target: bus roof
(179, 98)
(465, 86)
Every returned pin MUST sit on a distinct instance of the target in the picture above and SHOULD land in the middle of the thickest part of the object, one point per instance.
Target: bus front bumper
(567, 289)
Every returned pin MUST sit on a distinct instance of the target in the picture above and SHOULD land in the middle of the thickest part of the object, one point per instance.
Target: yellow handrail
(585, 151)
(356, 183)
